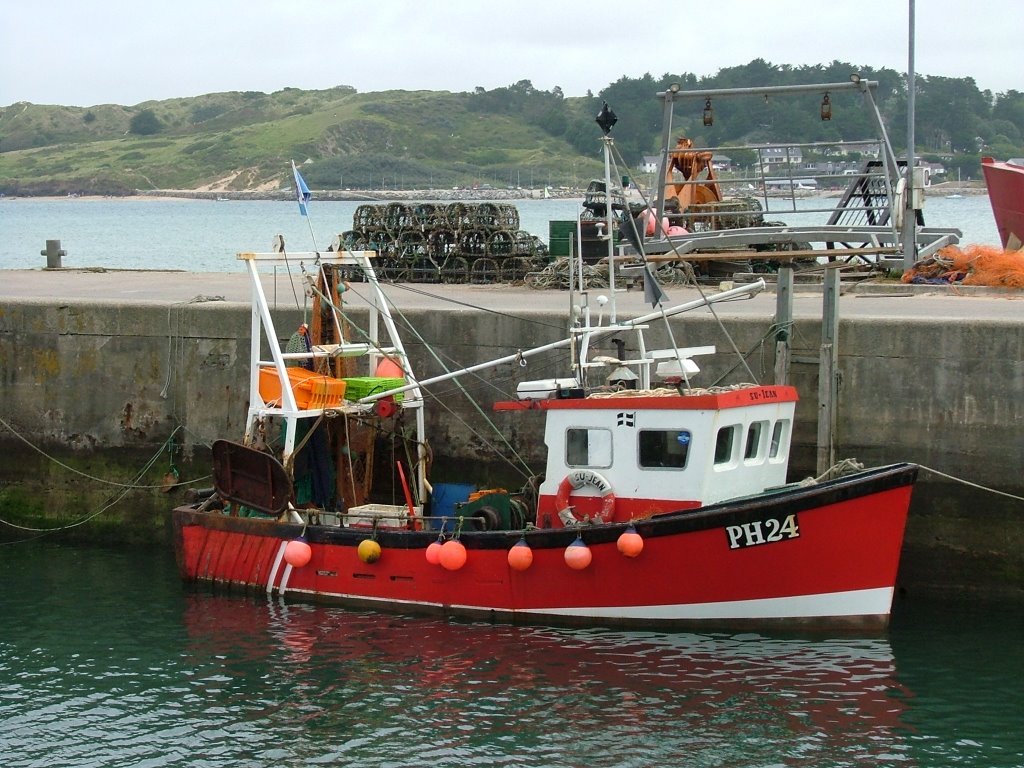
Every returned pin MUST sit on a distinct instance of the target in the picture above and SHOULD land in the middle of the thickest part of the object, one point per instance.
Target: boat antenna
(652, 291)
(632, 232)
(606, 118)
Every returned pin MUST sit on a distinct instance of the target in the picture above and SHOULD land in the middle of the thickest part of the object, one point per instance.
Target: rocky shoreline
(374, 195)
(442, 195)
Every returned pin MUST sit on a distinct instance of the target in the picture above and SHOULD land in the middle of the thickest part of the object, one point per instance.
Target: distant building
(931, 170)
(771, 157)
(865, 148)
(650, 163)
(794, 183)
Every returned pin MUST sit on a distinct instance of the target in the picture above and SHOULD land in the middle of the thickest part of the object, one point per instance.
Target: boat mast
(606, 119)
(909, 230)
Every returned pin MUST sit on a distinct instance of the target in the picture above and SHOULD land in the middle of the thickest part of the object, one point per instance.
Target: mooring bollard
(53, 254)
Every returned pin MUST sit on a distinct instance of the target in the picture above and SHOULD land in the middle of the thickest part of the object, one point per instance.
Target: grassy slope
(250, 138)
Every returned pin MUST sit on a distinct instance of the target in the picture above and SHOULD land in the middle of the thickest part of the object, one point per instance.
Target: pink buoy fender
(576, 480)
(650, 219)
(389, 369)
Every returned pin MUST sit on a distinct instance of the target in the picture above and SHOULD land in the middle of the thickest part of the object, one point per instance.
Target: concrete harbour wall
(90, 390)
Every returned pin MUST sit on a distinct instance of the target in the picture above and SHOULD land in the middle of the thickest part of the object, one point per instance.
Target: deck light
(826, 108)
(709, 116)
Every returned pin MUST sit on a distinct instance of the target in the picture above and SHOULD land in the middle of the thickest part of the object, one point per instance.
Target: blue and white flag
(302, 193)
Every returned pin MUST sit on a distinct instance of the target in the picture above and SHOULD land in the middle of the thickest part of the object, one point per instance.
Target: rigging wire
(524, 469)
(450, 300)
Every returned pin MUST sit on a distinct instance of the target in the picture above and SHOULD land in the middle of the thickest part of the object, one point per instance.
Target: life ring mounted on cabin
(576, 479)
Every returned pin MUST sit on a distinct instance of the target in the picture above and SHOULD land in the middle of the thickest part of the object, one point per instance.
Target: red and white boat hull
(821, 555)
(1005, 182)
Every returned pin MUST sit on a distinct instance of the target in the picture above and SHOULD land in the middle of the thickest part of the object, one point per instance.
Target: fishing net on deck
(972, 265)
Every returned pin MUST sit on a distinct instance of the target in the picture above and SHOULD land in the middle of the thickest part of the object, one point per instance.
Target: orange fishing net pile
(973, 265)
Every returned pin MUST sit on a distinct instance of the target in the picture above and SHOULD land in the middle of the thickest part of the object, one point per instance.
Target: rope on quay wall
(124, 487)
(973, 485)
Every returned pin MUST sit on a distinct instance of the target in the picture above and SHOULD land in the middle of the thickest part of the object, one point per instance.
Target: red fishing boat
(660, 503)
(1005, 182)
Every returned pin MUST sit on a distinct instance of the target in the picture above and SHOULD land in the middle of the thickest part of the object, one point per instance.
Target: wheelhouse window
(664, 448)
(755, 444)
(588, 447)
(779, 437)
(724, 444)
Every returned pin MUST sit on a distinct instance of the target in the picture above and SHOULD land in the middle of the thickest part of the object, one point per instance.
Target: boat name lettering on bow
(764, 394)
(763, 532)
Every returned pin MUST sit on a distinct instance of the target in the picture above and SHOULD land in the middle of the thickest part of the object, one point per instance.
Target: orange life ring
(573, 482)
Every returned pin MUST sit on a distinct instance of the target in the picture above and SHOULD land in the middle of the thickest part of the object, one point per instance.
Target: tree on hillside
(1010, 106)
(145, 123)
(952, 108)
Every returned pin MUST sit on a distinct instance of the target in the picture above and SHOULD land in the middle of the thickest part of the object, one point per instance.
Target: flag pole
(303, 196)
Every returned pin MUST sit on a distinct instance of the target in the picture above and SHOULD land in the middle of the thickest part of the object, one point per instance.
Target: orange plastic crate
(312, 390)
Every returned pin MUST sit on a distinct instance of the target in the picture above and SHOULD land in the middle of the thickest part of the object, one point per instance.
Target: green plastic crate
(358, 387)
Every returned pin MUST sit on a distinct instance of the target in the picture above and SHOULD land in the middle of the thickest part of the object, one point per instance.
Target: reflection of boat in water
(661, 503)
(702, 695)
(1005, 182)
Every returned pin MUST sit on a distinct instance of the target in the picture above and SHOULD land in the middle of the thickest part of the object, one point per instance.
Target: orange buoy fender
(575, 480)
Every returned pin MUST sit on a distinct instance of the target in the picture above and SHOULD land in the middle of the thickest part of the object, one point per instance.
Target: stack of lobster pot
(446, 243)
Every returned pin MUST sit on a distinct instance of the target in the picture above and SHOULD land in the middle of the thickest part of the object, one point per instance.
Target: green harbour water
(108, 660)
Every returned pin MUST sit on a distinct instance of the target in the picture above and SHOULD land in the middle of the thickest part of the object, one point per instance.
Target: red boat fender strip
(573, 482)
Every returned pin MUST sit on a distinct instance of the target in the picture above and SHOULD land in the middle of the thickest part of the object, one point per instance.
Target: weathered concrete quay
(100, 368)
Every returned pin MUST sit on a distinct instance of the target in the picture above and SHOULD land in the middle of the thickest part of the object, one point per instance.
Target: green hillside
(513, 136)
(245, 141)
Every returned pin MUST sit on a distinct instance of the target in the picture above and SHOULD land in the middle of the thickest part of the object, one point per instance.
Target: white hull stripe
(277, 564)
(284, 579)
(864, 602)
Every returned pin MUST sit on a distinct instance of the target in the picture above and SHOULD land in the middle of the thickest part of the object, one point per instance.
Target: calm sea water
(205, 235)
(106, 660)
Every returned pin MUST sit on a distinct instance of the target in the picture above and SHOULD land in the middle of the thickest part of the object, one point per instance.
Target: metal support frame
(262, 329)
(783, 323)
(907, 236)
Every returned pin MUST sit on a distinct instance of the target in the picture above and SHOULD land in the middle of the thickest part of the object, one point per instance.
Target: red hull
(1005, 182)
(835, 563)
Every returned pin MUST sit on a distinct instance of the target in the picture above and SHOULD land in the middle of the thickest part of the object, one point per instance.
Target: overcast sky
(88, 52)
